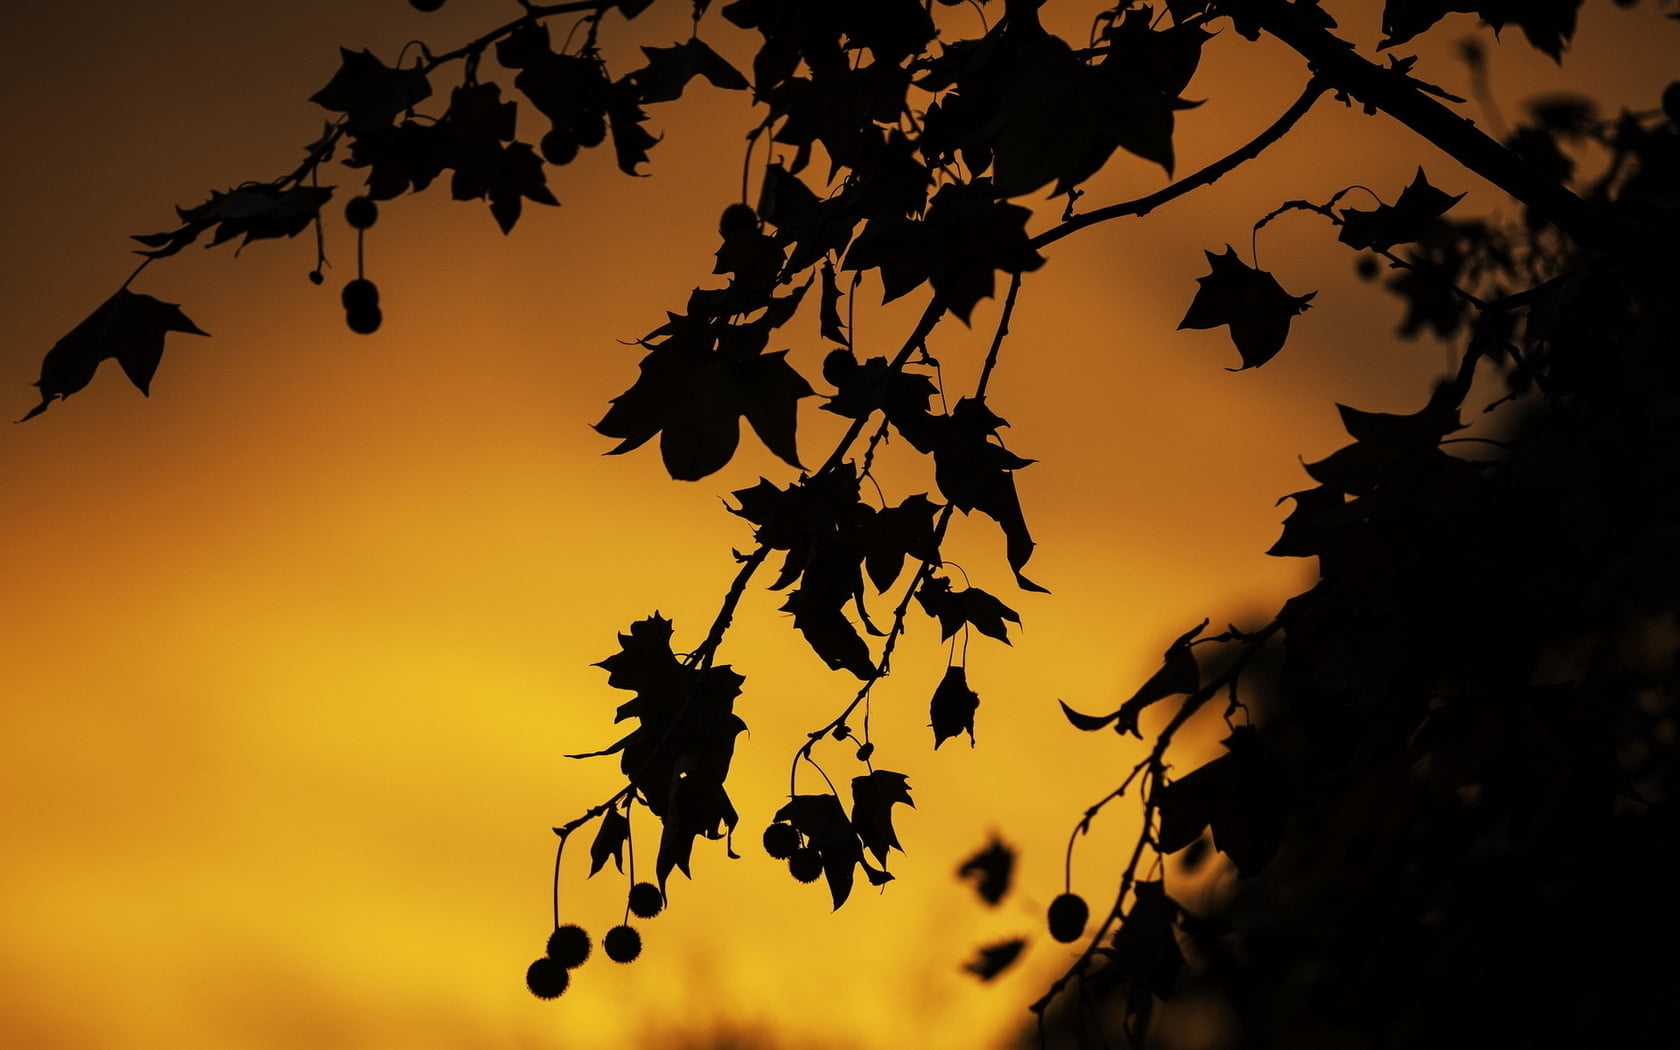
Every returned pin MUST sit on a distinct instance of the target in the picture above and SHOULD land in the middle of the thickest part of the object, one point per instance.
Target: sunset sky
(293, 649)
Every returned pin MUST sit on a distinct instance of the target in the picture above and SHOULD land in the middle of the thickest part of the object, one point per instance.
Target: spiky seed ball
(1067, 917)
(622, 944)
(1366, 267)
(806, 864)
(645, 900)
(547, 978)
(568, 945)
(361, 212)
(780, 840)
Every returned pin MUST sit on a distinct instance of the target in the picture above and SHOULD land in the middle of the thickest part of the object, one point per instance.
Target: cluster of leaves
(1469, 723)
(1464, 659)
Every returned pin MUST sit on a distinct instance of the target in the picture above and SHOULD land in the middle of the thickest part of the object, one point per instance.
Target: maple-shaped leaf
(970, 236)
(1408, 219)
(952, 710)
(1250, 301)
(971, 605)
(128, 326)
(991, 870)
(368, 92)
(669, 70)
(996, 958)
(399, 158)
(822, 820)
(694, 399)
(625, 117)
(873, 797)
(609, 841)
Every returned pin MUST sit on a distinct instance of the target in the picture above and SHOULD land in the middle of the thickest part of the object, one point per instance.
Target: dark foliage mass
(1444, 810)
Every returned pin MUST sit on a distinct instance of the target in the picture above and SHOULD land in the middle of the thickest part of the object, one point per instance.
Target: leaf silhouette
(624, 115)
(977, 473)
(679, 756)
(873, 797)
(609, 841)
(254, 212)
(823, 822)
(694, 398)
(128, 326)
(1241, 796)
(669, 70)
(1179, 673)
(971, 605)
(992, 960)
(1410, 218)
(991, 870)
(952, 710)
(1548, 24)
(370, 93)
(1250, 301)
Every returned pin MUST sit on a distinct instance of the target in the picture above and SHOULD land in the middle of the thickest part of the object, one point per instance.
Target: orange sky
(293, 648)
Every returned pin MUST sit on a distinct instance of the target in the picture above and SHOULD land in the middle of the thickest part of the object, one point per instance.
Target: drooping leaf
(817, 615)
(669, 70)
(873, 797)
(823, 822)
(1250, 301)
(992, 960)
(832, 327)
(952, 709)
(631, 141)
(370, 93)
(1179, 673)
(991, 870)
(609, 841)
(977, 473)
(128, 326)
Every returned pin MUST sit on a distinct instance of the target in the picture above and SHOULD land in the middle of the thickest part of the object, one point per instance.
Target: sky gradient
(293, 648)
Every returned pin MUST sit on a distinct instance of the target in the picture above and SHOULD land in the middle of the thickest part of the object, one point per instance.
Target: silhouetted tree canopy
(1444, 814)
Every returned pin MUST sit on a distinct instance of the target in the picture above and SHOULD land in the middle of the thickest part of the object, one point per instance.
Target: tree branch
(1206, 176)
(1391, 91)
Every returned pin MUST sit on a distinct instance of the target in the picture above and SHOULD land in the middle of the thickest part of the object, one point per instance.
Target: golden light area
(294, 648)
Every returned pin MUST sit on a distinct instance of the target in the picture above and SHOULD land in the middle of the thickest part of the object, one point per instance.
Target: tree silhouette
(1444, 810)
